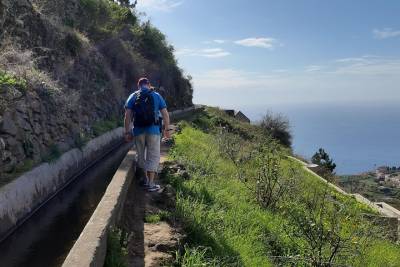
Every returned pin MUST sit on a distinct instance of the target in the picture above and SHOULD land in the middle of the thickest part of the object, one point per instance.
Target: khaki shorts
(148, 150)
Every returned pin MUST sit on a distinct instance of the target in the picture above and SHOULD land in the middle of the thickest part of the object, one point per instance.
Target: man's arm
(127, 125)
(165, 116)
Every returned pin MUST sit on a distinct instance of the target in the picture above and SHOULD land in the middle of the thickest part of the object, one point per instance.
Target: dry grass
(21, 63)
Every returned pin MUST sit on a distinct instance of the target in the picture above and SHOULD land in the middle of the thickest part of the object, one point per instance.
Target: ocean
(358, 137)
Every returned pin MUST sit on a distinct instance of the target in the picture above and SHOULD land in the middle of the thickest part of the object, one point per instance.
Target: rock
(2, 145)
(37, 128)
(8, 126)
(35, 106)
(184, 174)
(166, 247)
(24, 124)
(8, 162)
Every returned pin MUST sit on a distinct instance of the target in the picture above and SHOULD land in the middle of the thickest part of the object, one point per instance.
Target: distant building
(237, 114)
(230, 112)
(240, 116)
(383, 169)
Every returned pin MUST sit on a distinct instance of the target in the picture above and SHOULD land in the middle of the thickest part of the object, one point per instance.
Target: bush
(117, 243)
(53, 154)
(72, 44)
(9, 80)
(278, 126)
(333, 231)
(106, 18)
(264, 158)
(101, 127)
(272, 186)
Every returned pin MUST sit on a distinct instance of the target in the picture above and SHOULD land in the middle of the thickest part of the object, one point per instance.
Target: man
(143, 106)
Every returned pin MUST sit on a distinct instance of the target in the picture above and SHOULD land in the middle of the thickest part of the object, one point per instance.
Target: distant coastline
(358, 137)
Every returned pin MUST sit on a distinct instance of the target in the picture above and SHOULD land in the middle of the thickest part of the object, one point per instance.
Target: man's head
(143, 82)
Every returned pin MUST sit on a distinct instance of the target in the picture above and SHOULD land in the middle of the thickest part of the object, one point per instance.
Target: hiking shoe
(143, 182)
(153, 188)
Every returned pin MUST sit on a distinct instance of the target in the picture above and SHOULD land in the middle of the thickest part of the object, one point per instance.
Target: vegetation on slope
(229, 224)
(67, 67)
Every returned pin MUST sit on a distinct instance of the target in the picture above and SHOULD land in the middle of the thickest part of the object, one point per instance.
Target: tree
(127, 3)
(323, 160)
(278, 126)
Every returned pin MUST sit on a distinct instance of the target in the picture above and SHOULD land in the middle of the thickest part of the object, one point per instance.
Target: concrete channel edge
(22, 197)
(91, 247)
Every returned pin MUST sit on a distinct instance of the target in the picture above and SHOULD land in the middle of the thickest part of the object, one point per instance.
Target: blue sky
(268, 53)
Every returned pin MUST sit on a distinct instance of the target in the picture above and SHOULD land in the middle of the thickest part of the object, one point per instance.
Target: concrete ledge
(91, 247)
(20, 198)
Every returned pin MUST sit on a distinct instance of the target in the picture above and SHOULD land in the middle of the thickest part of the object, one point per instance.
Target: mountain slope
(67, 66)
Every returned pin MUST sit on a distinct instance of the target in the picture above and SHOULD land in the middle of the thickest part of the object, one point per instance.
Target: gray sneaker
(153, 188)
(143, 182)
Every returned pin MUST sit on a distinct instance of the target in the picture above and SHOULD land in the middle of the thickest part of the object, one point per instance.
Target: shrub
(334, 233)
(53, 154)
(81, 140)
(101, 127)
(117, 243)
(106, 18)
(278, 126)
(7, 80)
(72, 44)
(264, 158)
(21, 66)
(272, 185)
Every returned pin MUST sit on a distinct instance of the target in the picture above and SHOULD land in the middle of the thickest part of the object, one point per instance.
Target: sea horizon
(359, 137)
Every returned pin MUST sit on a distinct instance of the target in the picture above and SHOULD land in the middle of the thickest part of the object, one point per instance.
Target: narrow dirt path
(151, 243)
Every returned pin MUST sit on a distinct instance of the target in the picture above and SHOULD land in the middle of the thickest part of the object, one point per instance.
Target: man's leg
(152, 158)
(140, 143)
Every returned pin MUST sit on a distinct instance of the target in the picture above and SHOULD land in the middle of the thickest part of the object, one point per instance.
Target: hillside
(243, 202)
(66, 68)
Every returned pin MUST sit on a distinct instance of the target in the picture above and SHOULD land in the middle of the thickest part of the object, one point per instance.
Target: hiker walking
(144, 106)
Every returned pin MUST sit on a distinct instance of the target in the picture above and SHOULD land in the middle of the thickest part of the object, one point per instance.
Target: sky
(284, 52)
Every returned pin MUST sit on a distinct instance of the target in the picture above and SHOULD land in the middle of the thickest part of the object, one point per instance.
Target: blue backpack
(143, 110)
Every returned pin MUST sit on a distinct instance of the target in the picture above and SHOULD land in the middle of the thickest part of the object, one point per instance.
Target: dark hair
(143, 81)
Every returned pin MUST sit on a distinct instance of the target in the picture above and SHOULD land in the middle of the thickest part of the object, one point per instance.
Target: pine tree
(323, 159)
(127, 3)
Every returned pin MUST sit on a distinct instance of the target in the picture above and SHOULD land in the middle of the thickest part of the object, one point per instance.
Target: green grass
(116, 249)
(7, 80)
(157, 217)
(227, 227)
(195, 257)
(104, 126)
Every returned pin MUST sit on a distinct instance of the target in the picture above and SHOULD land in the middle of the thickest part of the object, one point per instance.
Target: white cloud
(366, 79)
(269, 43)
(385, 33)
(216, 41)
(161, 5)
(369, 66)
(313, 68)
(219, 41)
(208, 52)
